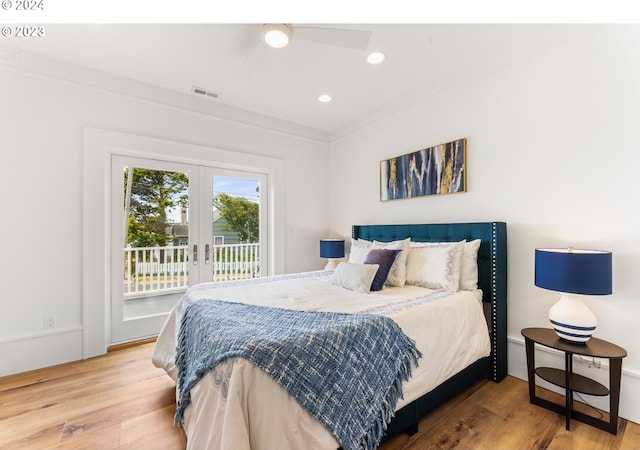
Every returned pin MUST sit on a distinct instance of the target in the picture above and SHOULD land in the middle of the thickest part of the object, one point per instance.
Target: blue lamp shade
(332, 248)
(586, 272)
(573, 273)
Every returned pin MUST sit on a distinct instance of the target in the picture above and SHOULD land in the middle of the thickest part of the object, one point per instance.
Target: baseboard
(629, 385)
(50, 348)
(116, 347)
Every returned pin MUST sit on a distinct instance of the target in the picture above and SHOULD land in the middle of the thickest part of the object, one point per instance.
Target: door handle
(206, 254)
(195, 254)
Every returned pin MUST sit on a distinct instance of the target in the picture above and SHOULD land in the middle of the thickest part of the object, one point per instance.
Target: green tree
(241, 215)
(153, 193)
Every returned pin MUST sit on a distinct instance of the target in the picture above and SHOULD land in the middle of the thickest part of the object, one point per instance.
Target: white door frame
(200, 191)
(123, 329)
(98, 147)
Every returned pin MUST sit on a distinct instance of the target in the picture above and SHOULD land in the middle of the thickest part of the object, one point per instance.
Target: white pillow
(359, 250)
(435, 265)
(355, 277)
(398, 272)
(469, 266)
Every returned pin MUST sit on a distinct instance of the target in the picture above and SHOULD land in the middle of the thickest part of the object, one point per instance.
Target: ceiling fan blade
(357, 39)
(253, 60)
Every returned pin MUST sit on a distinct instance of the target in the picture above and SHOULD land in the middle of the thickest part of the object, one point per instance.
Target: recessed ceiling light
(375, 57)
(324, 98)
(276, 35)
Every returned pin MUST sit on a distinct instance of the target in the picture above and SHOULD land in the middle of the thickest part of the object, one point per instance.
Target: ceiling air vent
(206, 93)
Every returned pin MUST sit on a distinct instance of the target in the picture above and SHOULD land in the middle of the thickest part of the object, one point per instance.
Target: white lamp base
(572, 320)
(332, 263)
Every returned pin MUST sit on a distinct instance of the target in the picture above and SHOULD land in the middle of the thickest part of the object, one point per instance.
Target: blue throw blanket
(345, 369)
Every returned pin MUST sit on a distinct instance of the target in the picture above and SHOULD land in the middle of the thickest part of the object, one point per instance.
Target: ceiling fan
(280, 35)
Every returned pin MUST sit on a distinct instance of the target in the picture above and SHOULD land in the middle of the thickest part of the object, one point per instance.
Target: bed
(236, 405)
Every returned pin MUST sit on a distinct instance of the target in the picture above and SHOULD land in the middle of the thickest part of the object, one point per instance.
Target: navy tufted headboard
(492, 268)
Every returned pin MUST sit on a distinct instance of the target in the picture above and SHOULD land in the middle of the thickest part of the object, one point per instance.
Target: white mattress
(237, 406)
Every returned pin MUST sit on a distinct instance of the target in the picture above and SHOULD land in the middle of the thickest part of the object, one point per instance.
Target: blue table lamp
(573, 273)
(332, 249)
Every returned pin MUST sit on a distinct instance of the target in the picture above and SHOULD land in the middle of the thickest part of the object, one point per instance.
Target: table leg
(531, 368)
(615, 373)
(568, 370)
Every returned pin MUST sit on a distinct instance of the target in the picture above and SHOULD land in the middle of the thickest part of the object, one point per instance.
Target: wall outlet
(49, 321)
(595, 363)
(590, 362)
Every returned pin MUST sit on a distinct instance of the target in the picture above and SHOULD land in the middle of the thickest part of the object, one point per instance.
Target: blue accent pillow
(384, 258)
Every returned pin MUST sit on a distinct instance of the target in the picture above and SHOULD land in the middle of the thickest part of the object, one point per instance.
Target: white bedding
(237, 406)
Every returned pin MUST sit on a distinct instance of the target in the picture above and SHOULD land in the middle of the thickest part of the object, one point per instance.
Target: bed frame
(492, 279)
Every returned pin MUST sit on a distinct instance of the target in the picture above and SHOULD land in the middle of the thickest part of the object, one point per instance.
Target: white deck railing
(156, 270)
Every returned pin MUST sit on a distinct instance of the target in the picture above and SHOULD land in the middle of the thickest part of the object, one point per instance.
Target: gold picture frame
(436, 170)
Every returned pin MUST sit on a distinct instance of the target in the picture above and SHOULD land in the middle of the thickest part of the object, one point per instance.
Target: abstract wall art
(440, 169)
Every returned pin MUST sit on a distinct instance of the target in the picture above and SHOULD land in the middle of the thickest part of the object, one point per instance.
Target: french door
(175, 225)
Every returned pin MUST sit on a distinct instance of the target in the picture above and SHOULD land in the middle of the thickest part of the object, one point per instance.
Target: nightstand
(573, 382)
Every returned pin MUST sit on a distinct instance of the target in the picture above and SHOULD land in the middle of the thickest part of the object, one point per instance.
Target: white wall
(43, 109)
(552, 150)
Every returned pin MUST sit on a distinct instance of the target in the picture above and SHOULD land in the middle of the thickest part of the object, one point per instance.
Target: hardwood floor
(120, 401)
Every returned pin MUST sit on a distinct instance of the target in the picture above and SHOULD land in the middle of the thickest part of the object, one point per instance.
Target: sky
(235, 187)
